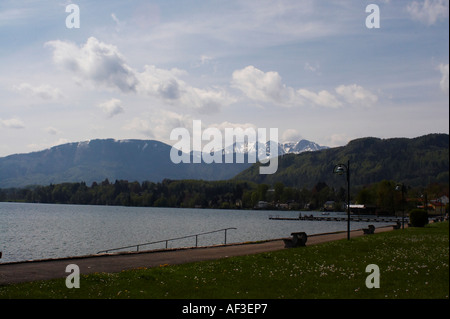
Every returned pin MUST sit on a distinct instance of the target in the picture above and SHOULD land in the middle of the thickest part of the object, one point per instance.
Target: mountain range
(133, 160)
(415, 162)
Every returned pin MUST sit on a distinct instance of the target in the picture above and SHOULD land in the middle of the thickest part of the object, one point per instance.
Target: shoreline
(45, 269)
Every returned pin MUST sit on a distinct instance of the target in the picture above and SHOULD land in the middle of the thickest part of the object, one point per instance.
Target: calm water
(37, 231)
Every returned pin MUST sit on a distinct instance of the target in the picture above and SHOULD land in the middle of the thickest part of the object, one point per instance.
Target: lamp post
(401, 187)
(425, 199)
(439, 201)
(342, 169)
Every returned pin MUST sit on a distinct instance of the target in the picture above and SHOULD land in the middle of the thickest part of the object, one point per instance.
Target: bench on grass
(369, 230)
(297, 239)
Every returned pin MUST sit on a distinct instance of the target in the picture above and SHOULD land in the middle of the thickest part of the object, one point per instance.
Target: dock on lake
(354, 218)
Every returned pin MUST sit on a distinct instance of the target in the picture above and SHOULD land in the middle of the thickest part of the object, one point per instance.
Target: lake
(40, 231)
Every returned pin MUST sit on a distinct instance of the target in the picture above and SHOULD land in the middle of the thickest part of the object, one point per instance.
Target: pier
(355, 218)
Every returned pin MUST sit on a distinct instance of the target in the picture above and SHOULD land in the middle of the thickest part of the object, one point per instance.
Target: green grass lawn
(413, 263)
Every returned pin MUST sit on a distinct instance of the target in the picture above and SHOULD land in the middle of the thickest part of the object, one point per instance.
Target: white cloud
(14, 123)
(95, 61)
(444, 80)
(161, 83)
(323, 98)
(206, 100)
(111, 107)
(268, 87)
(291, 135)
(264, 86)
(158, 124)
(44, 91)
(167, 85)
(103, 64)
(356, 95)
(428, 11)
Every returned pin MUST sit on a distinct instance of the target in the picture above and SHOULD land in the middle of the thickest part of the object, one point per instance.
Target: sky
(312, 69)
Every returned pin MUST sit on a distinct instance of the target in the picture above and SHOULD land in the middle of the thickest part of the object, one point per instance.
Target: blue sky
(138, 69)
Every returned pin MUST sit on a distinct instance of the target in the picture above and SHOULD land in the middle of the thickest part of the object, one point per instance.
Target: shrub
(418, 217)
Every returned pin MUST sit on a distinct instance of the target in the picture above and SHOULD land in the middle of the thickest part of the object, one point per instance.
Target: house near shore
(329, 205)
(262, 204)
(439, 205)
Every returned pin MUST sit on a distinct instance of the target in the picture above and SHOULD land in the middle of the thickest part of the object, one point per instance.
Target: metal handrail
(172, 239)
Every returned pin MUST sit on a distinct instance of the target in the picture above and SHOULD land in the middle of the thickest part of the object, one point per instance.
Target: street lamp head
(339, 169)
(342, 169)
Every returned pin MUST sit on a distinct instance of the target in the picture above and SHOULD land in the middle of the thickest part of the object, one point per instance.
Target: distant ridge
(98, 159)
(415, 162)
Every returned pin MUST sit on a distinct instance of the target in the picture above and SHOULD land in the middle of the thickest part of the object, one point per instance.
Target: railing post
(167, 240)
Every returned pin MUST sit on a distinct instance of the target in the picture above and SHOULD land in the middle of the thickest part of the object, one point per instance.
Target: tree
(262, 191)
(279, 188)
(161, 202)
(287, 195)
(247, 199)
(386, 197)
(366, 196)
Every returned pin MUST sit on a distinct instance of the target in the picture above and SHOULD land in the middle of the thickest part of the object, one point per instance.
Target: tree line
(230, 194)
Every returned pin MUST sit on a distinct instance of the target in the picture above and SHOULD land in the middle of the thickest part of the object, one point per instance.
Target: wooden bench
(369, 230)
(297, 239)
(397, 226)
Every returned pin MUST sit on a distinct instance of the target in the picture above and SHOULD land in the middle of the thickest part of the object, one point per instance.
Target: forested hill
(96, 160)
(133, 160)
(415, 162)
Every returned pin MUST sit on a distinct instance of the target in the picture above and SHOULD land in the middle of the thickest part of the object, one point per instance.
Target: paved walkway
(55, 268)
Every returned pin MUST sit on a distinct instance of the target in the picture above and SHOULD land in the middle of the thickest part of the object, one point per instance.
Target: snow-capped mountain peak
(283, 148)
(301, 146)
